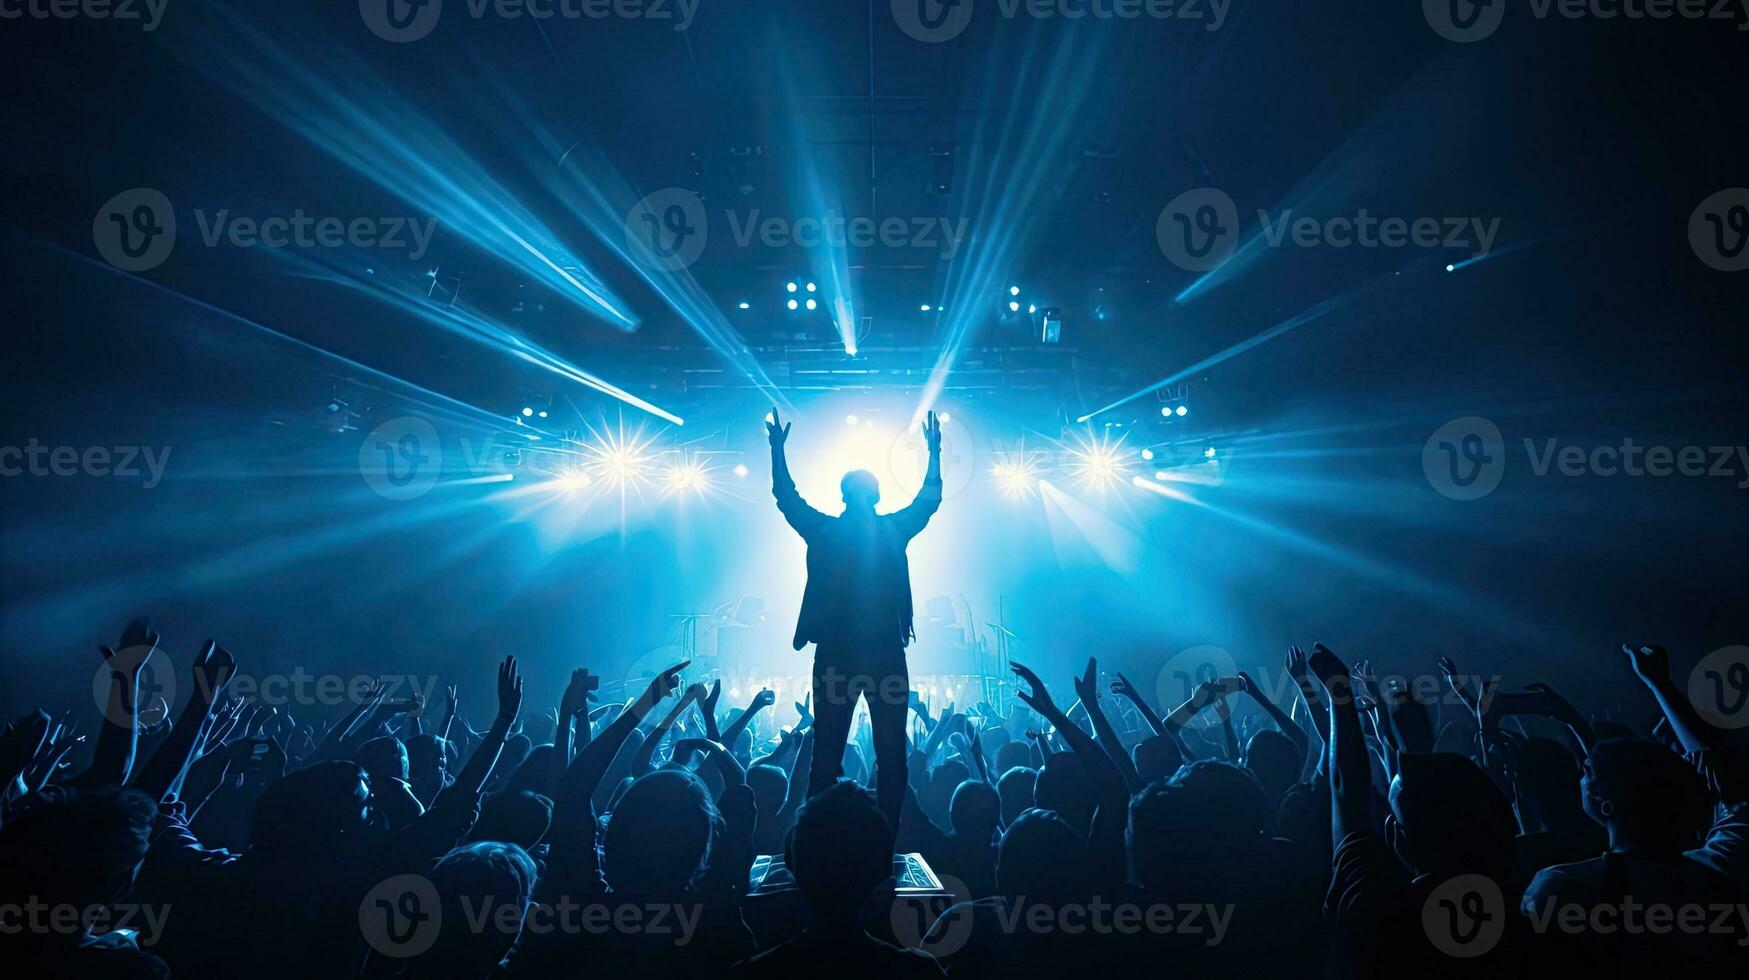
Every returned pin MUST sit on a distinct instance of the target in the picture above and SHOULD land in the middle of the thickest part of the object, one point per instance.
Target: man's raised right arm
(795, 510)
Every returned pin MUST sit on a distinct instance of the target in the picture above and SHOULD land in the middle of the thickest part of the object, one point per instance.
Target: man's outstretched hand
(1324, 663)
(509, 691)
(931, 432)
(776, 429)
(138, 642)
(578, 693)
(1036, 696)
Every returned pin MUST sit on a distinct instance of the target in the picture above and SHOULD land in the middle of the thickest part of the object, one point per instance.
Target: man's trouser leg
(834, 705)
(889, 700)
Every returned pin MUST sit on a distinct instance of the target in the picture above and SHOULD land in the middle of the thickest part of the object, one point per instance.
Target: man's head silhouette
(861, 491)
(839, 851)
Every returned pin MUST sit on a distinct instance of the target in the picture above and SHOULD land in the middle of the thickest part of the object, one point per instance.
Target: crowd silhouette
(1334, 824)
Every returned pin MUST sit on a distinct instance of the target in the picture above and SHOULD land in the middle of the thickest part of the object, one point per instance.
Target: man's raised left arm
(916, 516)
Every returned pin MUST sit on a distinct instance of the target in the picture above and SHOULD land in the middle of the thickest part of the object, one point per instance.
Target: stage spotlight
(1166, 410)
(1147, 454)
(1183, 410)
(1016, 476)
(794, 305)
(813, 305)
(527, 412)
(851, 420)
(1451, 268)
(943, 416)
(741, 469)
(769, 419)
(926, 307)
(1209, 453)
(543, 413)
(792, 287)
(684, 476)
(573, 479)
(744, 305)
(622, 464)
(1032, 308)
(813, 288)
(1096, 461)
(1014, 307)
(1014, 290)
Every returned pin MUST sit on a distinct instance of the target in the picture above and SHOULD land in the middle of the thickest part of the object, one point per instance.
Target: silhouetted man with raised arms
(857, 612)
